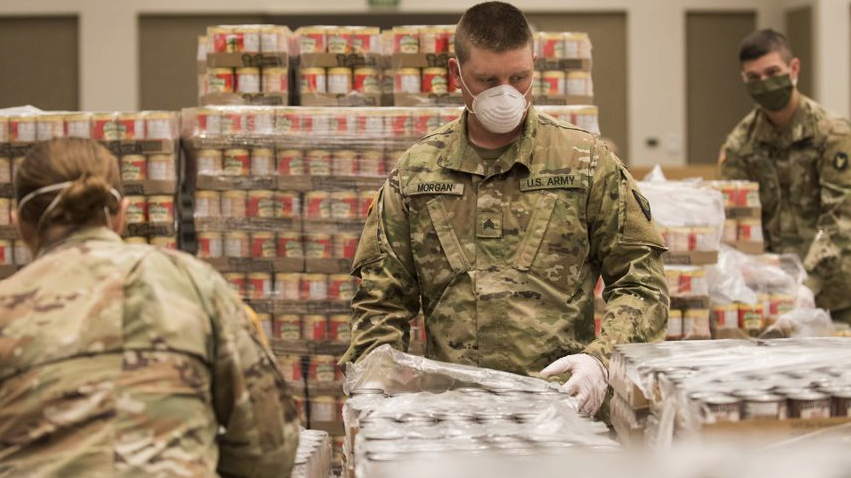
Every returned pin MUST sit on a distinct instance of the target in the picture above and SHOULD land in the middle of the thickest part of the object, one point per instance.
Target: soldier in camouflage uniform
(798, 153)
(501, 243)
(126, 360)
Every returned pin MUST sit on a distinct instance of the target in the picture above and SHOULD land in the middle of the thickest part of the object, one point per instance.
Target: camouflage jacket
(128, 360)
(804, 186)
(503, 262)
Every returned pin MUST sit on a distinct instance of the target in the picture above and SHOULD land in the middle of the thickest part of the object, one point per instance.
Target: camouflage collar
(802, 126)
(459, 156)
(99, 233)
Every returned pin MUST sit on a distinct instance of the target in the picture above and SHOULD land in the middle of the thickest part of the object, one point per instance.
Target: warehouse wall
(656, 114)
(799, 31)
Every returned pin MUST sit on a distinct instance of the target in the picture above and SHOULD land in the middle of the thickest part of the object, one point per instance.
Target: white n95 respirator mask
(500, 109)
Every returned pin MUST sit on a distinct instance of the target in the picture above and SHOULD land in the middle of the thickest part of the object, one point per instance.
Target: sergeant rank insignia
(489, 225)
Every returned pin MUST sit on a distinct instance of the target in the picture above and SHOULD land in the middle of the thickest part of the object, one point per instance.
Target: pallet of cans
(244, 64)
(563, 68)
(742, 207)
(775, 389)
(454, 411)
(145, 143)
(314, 455)
(688, 318)
(339, 66)
(419, 65)
(690, 218)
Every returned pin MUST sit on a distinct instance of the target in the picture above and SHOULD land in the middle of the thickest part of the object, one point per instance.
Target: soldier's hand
(588, 380)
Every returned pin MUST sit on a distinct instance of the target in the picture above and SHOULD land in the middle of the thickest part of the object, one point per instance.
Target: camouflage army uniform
(503, 261)
(804, 186)
(125, 360)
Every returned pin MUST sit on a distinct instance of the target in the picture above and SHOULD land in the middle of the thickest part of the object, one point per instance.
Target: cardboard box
(247, 265)
(328, 266)
(256, 99)
(629, 392)
(7, 190)
(333, 60)
(149, 187)
(563, 100)
(151, 229)
(247, 224)
(773, 429)
(8, 233)
(690, 258)
(749, 247)
(142, 146)
(330, 99)
(225, 183)
(743, 213)
(427, 99)
(566, 64)
(277, 307)
(247, 60)
(420, 60)
(694, 302)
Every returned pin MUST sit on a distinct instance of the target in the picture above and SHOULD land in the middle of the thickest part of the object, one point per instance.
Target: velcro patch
(454, 189)
(489, 225)
(552, 181)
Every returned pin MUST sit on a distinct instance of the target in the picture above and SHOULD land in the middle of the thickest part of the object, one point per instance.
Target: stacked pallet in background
(244, 64)
(563, 69)
(743, 211)
(145, 143)
(769, 389)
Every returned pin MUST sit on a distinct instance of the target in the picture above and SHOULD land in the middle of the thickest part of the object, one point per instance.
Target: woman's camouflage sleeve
(628, 249)
(250, 397)
(388, 296)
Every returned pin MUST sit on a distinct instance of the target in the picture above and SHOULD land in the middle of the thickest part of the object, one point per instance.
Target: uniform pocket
(555, 245)
(452, 247)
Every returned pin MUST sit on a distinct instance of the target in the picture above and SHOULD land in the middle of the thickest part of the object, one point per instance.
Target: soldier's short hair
(763, 42)
(493, 26)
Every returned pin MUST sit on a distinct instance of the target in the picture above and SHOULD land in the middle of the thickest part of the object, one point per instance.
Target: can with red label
(290, 245)
(371, 163)
(160, 125)
(314, 287)
(751, 318)
(275, 80)
(161, 209)
(339, 328)
(104, 127)
(259, 121)
(365, 200)
(553, 83)
(345, 245)
(434, 39)
(314, 327)
(365, 39)
(263, 245)
(725, 317)
(260, 204)
(131, 126)
(236, 244)
(318, 162)
(318, 246)
(406, 39)
(317, 205)
(210, 245)
(366, 80)
(407, 80)
(675, 325)
(260, 285)
(287, 121)
(344, 205)
(238, 281)
(7, 253)
(166, 242)
(4, 130)
(287, 327)
(137, 210)
(288, 286)
(750, 230)
(22, 129)
(551, 45)
(339, 80)
(425, 120)
(287, 204)
(237, 162)
(398, 123)
(134, 167)
(344, 163)
(313, 80)
(291, 367)
(209, 162)
(290, 162)
(221, 80)
(162, 167)
(369, 122)
(323, 368)
(248, 80)
(312, 40)
(233, 122)
(233, 203)
(340, 287)
(435, 81)
(339, 40)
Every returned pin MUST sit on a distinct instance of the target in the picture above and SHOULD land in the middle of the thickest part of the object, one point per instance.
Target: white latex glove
(588, 380)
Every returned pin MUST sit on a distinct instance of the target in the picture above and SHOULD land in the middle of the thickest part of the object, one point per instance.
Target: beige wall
(799, 31)
(656, 113)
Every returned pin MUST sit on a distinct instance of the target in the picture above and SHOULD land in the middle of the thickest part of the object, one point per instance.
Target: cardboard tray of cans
(773, 389)
(245, 64)
(743, 211)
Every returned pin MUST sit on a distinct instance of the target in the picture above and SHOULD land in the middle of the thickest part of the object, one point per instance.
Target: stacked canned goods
(584, 116)
(251, 78)
(422, 40)
(316, 78)
(556, 76)
(744, 215)
(103, 126)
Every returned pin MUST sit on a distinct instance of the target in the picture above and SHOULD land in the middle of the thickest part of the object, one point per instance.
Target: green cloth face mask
(772, 93)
